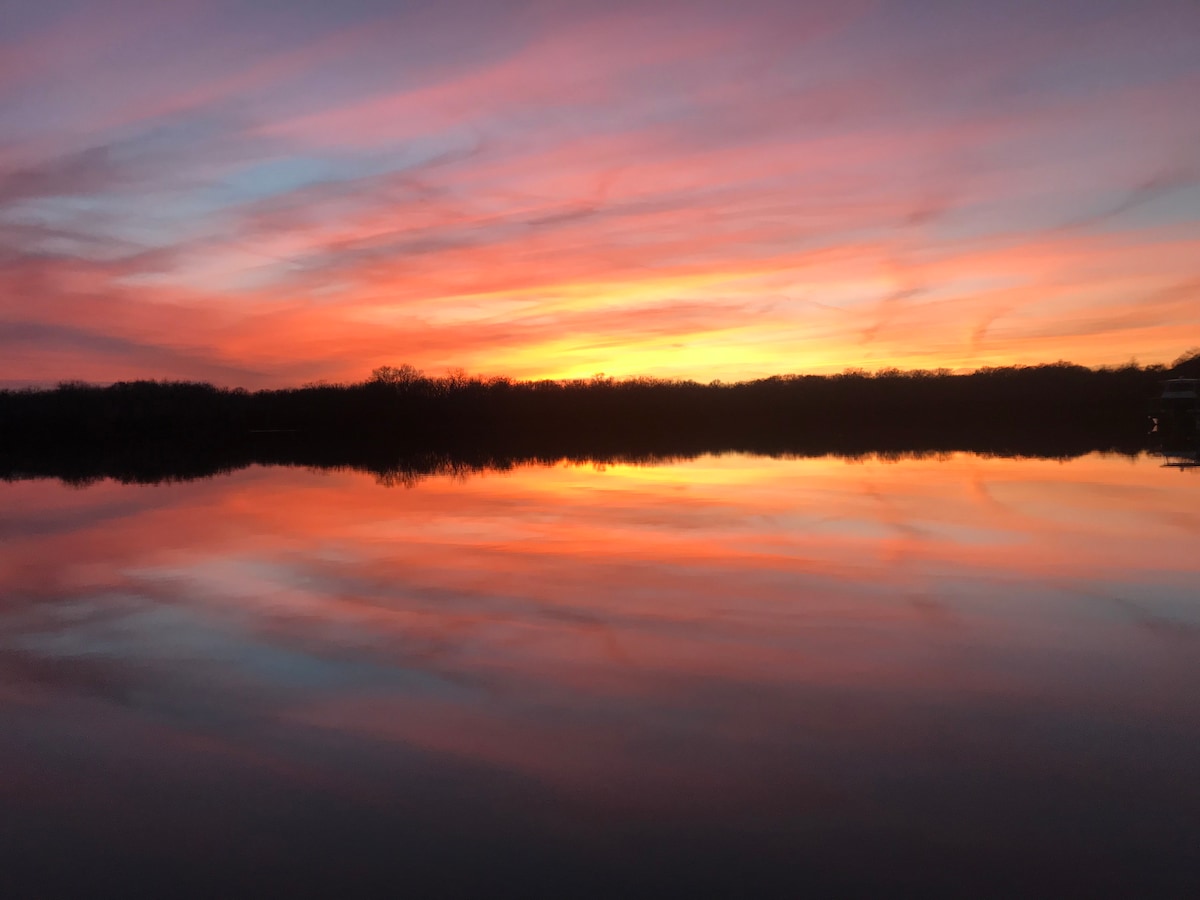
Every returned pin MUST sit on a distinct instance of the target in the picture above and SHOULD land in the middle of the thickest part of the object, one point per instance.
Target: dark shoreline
(402, 425)
(155, 463)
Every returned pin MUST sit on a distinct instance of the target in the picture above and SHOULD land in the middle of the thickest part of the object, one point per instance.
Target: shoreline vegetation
(402, 424)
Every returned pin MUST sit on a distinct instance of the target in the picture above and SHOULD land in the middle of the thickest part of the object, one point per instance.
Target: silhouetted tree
(179, 429)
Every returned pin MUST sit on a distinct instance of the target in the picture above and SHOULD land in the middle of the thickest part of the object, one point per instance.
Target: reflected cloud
(725, 645)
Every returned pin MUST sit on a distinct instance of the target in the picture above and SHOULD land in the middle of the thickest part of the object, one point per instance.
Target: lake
(726, 676)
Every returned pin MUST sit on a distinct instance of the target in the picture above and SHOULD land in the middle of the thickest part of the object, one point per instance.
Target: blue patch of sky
(175, 215)
(1172, 207)
(278, 176)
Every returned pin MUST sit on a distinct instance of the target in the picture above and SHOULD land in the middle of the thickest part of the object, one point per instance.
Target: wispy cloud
(563, 189)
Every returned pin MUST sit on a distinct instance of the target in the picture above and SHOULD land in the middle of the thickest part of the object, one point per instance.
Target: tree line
(186, 428)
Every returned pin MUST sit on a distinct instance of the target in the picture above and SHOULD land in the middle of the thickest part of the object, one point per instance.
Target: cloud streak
(683, 190)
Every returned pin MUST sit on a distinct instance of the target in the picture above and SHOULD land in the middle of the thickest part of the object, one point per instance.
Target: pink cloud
(544, 198)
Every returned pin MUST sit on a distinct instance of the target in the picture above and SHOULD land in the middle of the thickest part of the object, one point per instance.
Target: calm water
(731, 676)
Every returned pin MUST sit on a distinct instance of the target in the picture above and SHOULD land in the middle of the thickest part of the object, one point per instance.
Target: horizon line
(457, 374)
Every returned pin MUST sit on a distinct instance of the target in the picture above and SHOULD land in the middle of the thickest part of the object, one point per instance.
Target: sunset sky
(268, 193)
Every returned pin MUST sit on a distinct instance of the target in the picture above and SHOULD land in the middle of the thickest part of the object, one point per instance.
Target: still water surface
(730, 676)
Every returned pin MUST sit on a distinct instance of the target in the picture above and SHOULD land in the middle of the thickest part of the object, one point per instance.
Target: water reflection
(732, 674)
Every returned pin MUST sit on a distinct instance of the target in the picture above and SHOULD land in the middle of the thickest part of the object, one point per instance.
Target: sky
(271, 193)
